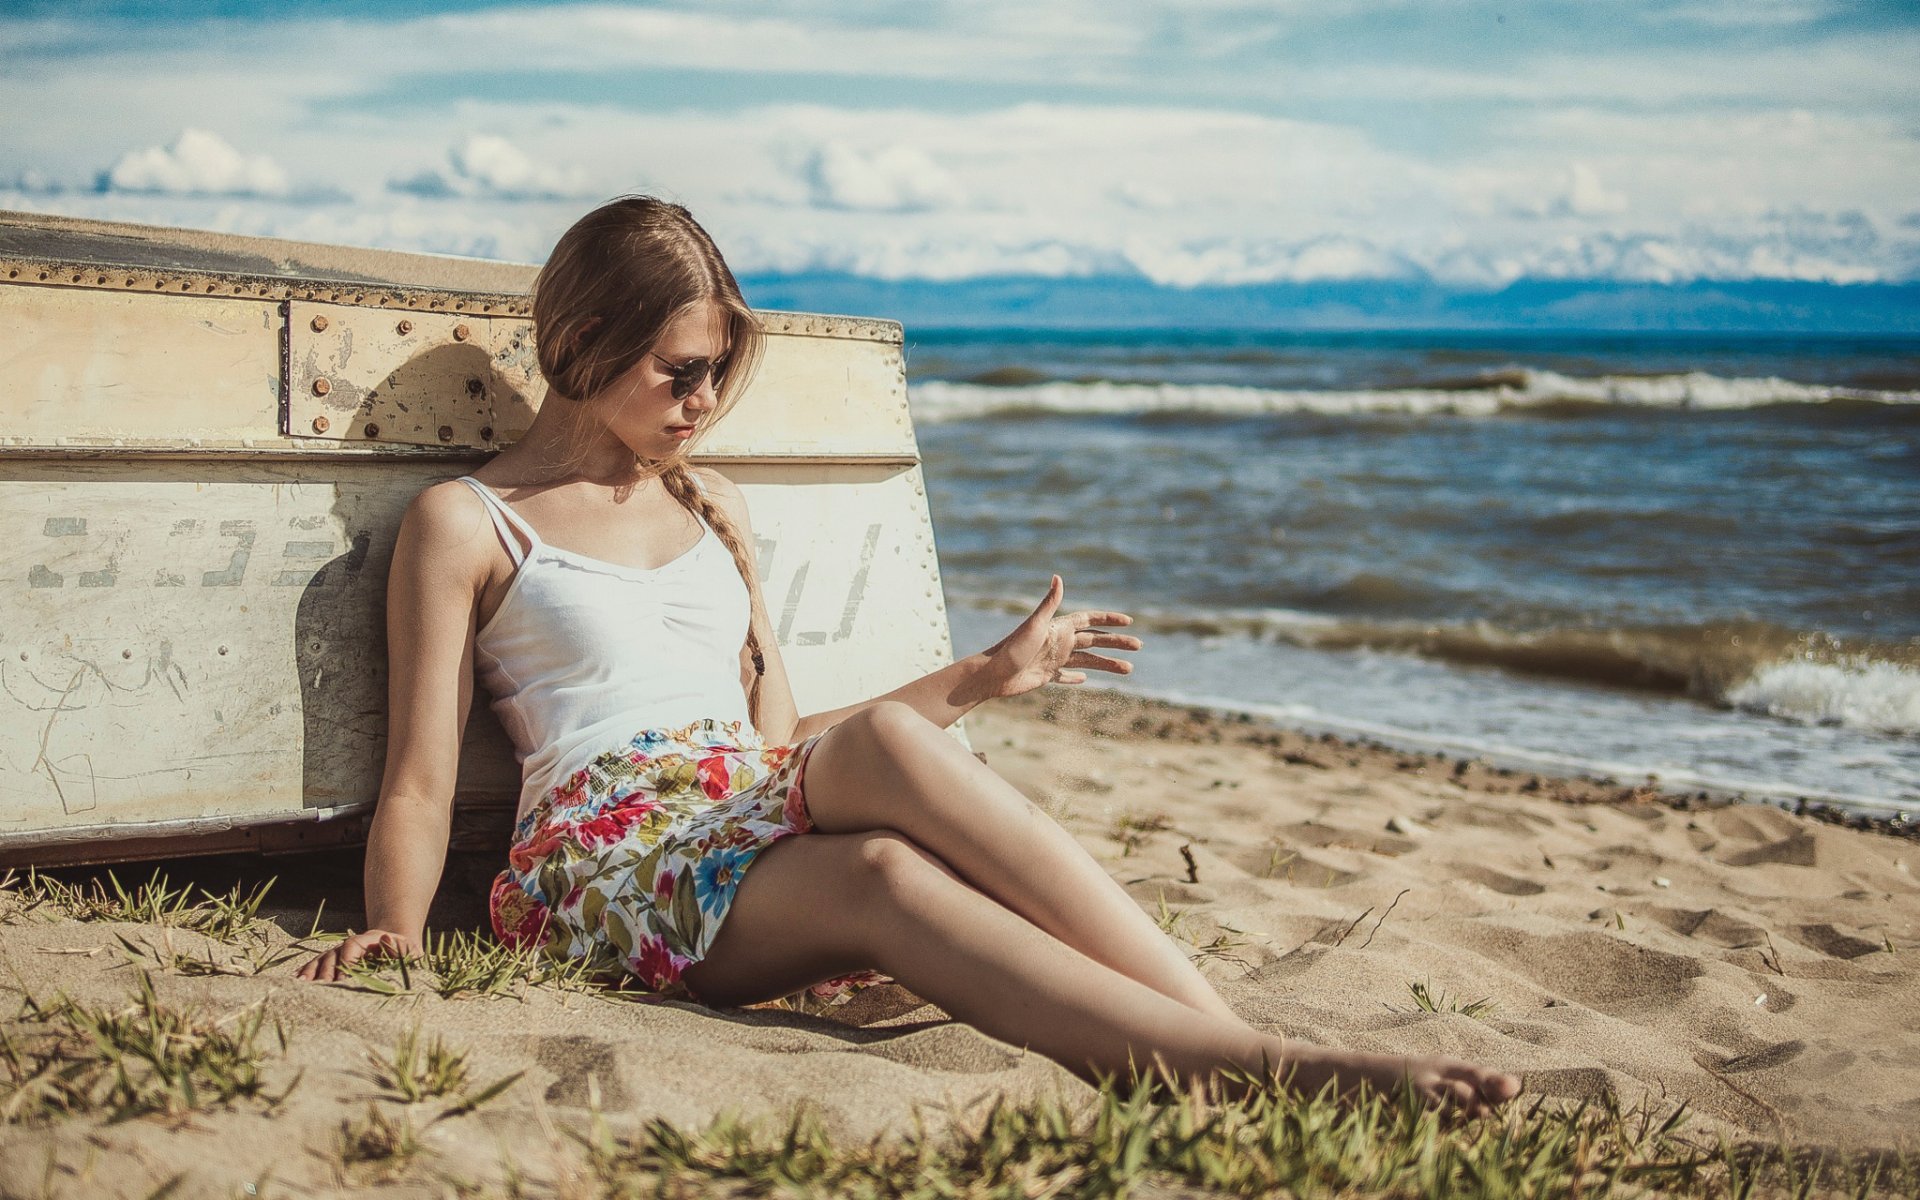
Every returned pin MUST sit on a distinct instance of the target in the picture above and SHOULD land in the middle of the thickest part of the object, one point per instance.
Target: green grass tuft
(1270, 1144)
(1225, 946)
(1425, 999)
(377, 1140)
(463, 963)
(63, 1058)
(1172, 921)
(1132, 831)
(418, 1070)
(227, 917)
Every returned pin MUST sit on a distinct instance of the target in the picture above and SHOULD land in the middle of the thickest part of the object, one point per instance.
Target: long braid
(682, 486)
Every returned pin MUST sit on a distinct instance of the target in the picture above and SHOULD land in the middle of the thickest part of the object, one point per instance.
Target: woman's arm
(1048, 647)
(439, 566)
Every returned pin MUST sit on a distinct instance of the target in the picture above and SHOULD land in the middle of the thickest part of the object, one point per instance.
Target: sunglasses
(689, 375)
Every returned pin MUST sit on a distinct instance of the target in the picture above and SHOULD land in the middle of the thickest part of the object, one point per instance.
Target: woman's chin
(659, 449)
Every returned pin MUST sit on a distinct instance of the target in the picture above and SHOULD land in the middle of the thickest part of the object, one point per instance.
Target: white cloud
(1243, 260)
(894, 178)
(1184, 196)
(482, 165)
(1586, 196)
(198, 163)
(1668, 161)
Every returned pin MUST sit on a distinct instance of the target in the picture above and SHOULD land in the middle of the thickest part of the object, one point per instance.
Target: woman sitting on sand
(636, 672)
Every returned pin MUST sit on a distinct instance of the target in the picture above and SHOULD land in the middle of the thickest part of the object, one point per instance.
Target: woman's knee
(892, 871)
(844, 878)
(892, 727)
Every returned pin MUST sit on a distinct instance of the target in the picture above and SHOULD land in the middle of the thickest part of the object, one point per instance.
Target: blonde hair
(613, 283)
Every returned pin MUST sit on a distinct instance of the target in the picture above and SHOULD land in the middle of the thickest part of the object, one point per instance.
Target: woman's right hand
(374, 943)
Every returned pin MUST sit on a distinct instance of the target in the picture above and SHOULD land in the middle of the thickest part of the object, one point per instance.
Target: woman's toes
(1495, 1087)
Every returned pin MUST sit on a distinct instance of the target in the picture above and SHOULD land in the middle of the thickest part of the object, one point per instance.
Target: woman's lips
(680, 431)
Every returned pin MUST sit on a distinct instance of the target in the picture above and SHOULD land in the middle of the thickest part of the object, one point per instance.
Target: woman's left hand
(1053, 647)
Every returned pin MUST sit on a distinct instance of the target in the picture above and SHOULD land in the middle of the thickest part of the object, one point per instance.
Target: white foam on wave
(939, 400)
(1880, 696)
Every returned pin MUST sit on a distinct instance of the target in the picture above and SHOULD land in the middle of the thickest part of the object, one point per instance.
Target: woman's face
(640, 407)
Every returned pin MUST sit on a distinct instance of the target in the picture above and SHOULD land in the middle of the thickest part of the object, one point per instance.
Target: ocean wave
(1748, 665)
(1881, 696)
(1510, 390)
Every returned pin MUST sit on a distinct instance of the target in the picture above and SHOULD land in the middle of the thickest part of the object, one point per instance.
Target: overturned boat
(206, 445)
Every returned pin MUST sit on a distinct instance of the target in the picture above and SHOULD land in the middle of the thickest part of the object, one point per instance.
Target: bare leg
(887, 767)
(878, 900)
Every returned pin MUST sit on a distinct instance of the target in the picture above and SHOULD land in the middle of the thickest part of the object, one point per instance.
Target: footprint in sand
(1314, 836)
(1707, 924)
(1589, 968)
(1833, 941)
(1508, 885)
(1800, 850)
(1290, 866)
(1777, 1055)
(1492, 816)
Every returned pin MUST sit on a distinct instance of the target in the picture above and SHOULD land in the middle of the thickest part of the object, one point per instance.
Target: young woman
(605, 590)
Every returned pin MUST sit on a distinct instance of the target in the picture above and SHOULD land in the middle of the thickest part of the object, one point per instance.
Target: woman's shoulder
(715, 483)
(444, 521)
(446, 505)
(725, 492)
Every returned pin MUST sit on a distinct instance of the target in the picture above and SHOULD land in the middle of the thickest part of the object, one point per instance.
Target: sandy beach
(1757, 965)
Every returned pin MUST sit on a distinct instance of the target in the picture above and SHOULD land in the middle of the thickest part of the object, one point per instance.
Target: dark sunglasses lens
(688, 377)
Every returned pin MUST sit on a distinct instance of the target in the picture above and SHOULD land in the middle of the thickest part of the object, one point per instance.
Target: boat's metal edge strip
(41, 272)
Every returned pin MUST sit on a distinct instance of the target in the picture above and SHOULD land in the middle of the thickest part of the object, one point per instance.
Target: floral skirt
(633, 861)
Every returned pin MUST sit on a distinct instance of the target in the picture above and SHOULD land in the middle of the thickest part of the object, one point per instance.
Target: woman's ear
(588, 329)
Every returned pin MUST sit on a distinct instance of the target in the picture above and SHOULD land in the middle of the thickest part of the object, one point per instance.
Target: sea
(1688, 557)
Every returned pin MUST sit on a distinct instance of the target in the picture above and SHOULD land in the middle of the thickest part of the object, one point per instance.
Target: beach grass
(1132, 830)
(248, 959)
(1128, 1142)
(375, 1147)
(1225, 947)
(226, 916)
(60, 1057)
(419, 1069)
(467, 963)
(1426, 999)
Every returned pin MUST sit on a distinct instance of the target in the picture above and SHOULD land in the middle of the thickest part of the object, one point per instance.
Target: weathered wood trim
(34, 272)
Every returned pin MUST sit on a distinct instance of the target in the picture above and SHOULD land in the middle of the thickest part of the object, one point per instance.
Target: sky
(1184, 142)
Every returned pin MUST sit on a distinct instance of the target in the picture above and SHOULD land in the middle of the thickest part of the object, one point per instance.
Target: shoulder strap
(505, 521)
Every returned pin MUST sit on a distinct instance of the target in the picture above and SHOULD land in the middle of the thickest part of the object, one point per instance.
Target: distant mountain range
(1034, 302)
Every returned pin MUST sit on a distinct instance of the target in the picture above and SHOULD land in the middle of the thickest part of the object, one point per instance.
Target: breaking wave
(1881, 696)
(1749, 665)
(1512, 390)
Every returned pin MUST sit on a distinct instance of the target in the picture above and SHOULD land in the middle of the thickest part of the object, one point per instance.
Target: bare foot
(1449, 1083)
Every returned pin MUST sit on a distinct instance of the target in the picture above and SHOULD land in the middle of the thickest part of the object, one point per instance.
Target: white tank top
(582, 653)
